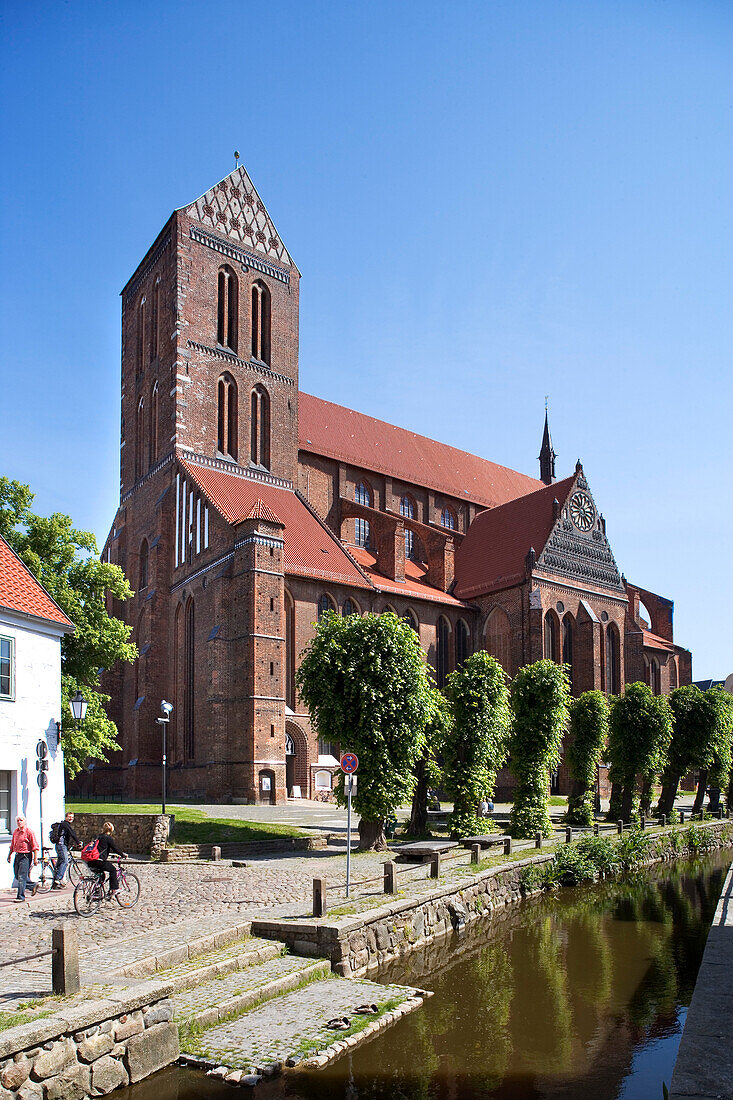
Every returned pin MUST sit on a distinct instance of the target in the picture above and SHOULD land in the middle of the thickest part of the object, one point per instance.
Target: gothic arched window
(289, 651)
(613, 660)
(567, 644)
(362, 495)
(411, 619)
(227, 416)
(654, 676)
(260, 427)
(325, 603)
(463, 643)
(189, 684)
(448, 519)
(144, 564)
(140, 439)
(155, 322)
(141, 328)
(227, 309)
(154, 423)
(260, 322)
(551, 650)
(349, 607)
(407, 507)
(362, 532)
(442, 661)
(498, 637)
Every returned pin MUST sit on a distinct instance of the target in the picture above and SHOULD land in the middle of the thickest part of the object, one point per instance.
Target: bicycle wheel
(88, 896)
(75, 875)
(129, 890)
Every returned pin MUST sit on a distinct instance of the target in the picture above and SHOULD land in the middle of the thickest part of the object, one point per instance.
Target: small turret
(547, 456)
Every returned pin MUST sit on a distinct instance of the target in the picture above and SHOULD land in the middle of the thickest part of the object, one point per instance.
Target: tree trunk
(419, 813)
(700, 796)
(670, 783)
(645, 805)
(614, 808)
(627, 801)
(729, 799)
(371, 835)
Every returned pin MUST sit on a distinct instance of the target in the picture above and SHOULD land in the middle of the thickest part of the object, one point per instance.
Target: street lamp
(78, 707)
(167, 709)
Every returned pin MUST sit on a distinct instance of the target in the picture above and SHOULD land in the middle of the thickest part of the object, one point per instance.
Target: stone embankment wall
(138, 834)
(182, 852)
(90, 1049)
(358, 944)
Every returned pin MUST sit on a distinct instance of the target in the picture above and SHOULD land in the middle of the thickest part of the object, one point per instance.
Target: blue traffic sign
(349, 762)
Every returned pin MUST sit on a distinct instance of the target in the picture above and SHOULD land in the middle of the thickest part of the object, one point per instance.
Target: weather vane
(546, 397)
(236, 158)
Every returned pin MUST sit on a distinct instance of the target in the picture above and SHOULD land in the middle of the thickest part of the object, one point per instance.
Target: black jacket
(106, 844)
(67, 836)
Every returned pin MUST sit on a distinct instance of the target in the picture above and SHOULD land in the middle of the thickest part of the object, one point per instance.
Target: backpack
(90, 851)
(53, 833)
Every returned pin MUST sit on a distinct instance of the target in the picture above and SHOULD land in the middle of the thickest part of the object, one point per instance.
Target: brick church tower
(209, 373)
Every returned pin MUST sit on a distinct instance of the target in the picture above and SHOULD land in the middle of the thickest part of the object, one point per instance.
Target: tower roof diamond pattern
(233, 207)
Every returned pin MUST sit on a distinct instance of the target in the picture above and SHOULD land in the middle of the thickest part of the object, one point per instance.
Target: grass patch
(15, 1019)
(193, 826)
(360, 1023)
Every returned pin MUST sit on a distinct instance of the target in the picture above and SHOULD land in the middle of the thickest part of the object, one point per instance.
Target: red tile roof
(653, 641)
(348, 436)
(311, 550)
(492, 555)
(260, 510)
(414, 583)
(21, 592)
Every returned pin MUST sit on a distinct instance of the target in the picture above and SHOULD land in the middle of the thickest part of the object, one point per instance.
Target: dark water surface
(581, 995)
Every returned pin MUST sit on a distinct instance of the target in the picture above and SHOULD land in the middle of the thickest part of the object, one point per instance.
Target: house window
(447, 519)
(362, 532)
(227, 309)
(5, 802)
(328, 748)
(442, 665)
(227, 416)
(261, 322)
(260, 428)
(362, 495)
(7, 668)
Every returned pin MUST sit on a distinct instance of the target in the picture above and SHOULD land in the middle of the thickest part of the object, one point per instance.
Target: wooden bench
(422, 850)
(483, 841)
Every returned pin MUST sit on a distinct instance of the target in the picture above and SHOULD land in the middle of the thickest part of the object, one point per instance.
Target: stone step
(293, 1028)
(210, 1002)
(214, 965)
(169, 946)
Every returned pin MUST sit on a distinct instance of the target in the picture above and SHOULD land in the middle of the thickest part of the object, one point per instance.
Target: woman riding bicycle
(105, 845)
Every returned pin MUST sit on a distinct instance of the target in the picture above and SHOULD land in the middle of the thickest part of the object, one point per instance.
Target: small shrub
(572, 866)
(632, 848)
(699, 840)
(674, 817)
(602, 853)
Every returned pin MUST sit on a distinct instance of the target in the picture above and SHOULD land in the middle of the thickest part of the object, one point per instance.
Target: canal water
(580, 994)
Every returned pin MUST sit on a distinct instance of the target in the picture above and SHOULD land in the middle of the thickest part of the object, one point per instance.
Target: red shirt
(24, 840)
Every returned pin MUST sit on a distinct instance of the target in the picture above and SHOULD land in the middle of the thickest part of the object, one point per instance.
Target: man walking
(24, 846)
(66, 837)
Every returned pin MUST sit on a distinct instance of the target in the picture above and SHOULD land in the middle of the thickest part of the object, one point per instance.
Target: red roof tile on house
(414, 583)
(260, 510)
(21, 592)
(310, 548)
(348, 436)
(492, 555)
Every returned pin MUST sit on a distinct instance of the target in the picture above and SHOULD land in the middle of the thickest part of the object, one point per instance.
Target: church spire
(547, 456)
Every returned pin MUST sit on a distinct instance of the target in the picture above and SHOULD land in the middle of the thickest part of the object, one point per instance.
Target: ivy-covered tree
(589, 732)
(477, 741)
(700, 739)
(428, 771)
(640, 730)
(365, 682)
(65, 560)
(540, 697)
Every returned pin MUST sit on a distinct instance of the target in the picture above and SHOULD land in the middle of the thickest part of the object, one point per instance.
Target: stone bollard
(65, 961)
(216, 852)
(475, 853)
(642, 821)
(620, 826)
(538, 840)
(568, 835)
(663, 820)
(165, 855)
(319, 897)
(682, 817)
(435, 865)
(507, 846)
(596, 829)
(390, 877)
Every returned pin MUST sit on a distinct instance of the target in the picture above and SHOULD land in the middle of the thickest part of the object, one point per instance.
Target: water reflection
(573, 995)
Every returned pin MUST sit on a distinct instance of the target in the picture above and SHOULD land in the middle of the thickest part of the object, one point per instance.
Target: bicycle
(75, 870)
(90, 892)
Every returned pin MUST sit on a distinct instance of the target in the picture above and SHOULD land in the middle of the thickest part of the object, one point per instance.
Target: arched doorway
(296, 761)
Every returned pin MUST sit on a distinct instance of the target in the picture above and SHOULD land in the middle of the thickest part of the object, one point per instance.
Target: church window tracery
(227, 309)
(448, 519)
(567, 644)
(227, 416)
(189, 680)
(261, 314)
(260, 428)
(551, 650)
(140, 439)
(153, 424)
(155, 322)
(141, 320)
(362, 532)
(613, 660)
(325, 603)
(463, 642)
(362, 495)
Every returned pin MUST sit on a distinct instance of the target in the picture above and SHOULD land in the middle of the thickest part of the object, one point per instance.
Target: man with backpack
(63, 836)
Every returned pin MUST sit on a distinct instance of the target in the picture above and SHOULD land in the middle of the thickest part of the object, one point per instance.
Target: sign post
(349, 764)
(42, 780)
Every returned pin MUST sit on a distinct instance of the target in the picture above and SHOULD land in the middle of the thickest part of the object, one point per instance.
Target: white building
(31, 628)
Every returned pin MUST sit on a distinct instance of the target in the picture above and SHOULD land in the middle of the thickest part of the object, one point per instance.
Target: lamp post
(167, 709)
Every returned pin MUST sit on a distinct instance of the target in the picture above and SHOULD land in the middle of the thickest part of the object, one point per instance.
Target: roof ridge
(259, 510)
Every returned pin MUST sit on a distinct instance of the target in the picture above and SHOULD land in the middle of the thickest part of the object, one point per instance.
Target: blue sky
(488, 202)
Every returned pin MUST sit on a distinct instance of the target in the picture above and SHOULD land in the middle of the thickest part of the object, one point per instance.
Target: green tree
(701, 738)
(589, 732)
(540, 696)
(65, 561)
(365, 682)
(640, 730)
(428, 772)
(477, 741)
